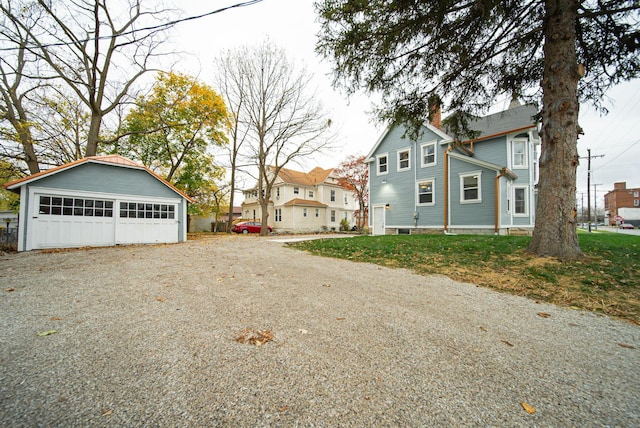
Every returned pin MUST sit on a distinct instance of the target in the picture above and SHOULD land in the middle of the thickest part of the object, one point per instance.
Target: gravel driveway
(146, 336)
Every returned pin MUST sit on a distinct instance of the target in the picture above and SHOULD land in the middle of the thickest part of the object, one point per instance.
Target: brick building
(620, 197)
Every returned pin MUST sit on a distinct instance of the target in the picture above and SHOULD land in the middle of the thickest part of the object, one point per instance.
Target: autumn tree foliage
(353, 174)
(467, 54)
(173, 130)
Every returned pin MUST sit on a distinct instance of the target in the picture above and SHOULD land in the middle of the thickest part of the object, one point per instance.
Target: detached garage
(98, 201)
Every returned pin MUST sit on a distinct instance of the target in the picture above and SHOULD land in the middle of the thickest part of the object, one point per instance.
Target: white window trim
(462, 175)
(408, 167)
(433, 186)
(525, 164)
(435, 154)
(383, 155)
(526, 201)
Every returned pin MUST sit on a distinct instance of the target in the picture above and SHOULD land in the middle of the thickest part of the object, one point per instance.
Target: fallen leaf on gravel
(9, 289)
(544, 314)
(506, 342)
(624, 345)
(160, 298)
(483, 328)
(106, 412)
(56, 319)
(47, 333)
(283, 408)
(528, 408)
(255, 337)
(340, 318)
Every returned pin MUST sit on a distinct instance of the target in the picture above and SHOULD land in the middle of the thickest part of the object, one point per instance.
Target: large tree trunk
(94, 135)
(555, 231)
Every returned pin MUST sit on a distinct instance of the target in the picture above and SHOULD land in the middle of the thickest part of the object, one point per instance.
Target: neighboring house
(432, 184)
(303, 202)
(98, 201)
(621, 197)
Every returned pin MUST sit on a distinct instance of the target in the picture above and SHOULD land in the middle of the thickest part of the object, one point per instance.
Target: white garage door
(146, 222)
(72, 222)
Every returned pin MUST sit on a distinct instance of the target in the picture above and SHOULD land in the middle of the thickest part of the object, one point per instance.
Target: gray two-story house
(439, 183)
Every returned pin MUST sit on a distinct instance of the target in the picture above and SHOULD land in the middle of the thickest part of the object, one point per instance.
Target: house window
(55, 205)
(404, 160)
(346, 200)
(425, 193)
(636, 194)
(296, 190)
(382, 164)
(278, 214)
(311, 193)
(304, 212)
(333, 196)
(519, 154)
(470, 188)
(636, 202)
(139, 210)
(317, 212)
(277, 192)
(428, 154)
(333, 216)
(520, 200)
(346, 216)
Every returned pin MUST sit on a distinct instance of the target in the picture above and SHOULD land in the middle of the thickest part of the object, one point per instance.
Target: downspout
(497, 200)
(446, 188)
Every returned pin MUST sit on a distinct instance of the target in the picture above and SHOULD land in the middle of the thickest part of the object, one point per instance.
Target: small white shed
(98, 201)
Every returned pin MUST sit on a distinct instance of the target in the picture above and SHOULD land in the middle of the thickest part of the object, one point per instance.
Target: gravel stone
(146, 336)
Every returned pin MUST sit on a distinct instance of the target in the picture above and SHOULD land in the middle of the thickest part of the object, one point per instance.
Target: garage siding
(92, 177)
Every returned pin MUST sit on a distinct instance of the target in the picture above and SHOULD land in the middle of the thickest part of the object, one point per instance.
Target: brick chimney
(436, 116)
(620, 186)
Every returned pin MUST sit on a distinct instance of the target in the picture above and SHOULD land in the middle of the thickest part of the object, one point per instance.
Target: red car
(249, 227)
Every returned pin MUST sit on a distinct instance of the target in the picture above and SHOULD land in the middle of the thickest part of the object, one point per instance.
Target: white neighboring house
(303, 202)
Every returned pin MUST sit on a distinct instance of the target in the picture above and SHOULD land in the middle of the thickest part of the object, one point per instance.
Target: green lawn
(606, 280)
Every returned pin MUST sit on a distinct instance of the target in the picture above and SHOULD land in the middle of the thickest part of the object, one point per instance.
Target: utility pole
(589, 184)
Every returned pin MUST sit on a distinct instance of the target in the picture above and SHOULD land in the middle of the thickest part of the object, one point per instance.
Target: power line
(618, 155)
(151, 28)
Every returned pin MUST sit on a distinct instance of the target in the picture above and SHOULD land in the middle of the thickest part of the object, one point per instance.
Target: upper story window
(425, 193)
(428, 151)
(382, 164)
(333, 196)
(346, 200)
(311, 193)
(404, 160)
(296, 190)
(519, 154)
(470, 187)
(277, 192)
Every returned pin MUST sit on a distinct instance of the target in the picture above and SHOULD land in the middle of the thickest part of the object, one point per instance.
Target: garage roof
(114, 160)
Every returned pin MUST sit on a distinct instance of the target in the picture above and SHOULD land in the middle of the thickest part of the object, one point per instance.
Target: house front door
(378, 220)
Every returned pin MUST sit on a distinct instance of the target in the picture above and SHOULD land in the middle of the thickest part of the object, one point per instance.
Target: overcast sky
(291, 25)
